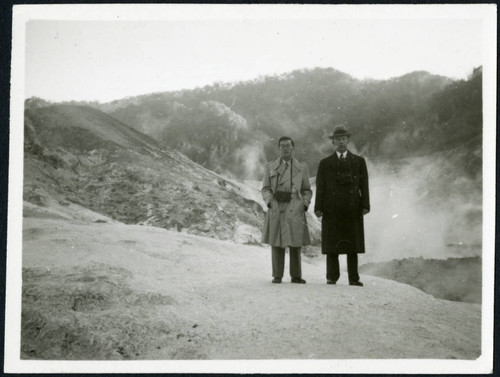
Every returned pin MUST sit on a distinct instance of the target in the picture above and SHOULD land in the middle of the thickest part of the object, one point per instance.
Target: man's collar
(341, 154)
(277, 164)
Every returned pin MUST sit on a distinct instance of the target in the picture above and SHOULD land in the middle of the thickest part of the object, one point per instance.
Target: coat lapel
(281, 169)
(333, 160)
(273, 167)
(350, 156)
(273, 173)
(296, 167)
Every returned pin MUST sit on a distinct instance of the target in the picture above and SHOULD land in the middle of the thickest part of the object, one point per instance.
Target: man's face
(340, 143)
(286, 149)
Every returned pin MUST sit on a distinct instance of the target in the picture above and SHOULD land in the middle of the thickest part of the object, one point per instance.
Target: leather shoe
(331, 282)
(298, 281)
(276, 280)
(358, 283)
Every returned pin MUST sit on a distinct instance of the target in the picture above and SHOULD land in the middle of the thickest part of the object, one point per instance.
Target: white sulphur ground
(224, 306)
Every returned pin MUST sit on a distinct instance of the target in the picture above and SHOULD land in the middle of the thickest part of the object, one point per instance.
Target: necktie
(343, 163)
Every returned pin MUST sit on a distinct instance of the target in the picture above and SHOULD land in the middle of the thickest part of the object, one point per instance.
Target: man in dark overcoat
(342, 199)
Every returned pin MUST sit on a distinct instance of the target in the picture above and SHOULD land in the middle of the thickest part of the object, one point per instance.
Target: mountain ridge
(389, 118)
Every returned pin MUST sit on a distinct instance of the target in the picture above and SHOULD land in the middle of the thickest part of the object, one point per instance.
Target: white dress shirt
(340, 155)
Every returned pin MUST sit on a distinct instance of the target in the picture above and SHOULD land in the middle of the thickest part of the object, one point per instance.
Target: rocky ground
(106, 290)
(456, 279)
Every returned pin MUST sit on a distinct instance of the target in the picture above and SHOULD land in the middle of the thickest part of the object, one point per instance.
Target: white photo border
(24, 13)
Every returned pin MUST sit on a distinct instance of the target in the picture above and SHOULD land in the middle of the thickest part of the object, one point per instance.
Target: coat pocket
(296, 206)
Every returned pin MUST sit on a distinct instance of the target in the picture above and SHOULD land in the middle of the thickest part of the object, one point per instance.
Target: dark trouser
(278, 257)
(333, 268)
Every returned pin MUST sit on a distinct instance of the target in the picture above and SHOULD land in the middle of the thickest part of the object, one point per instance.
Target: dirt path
(198, 298)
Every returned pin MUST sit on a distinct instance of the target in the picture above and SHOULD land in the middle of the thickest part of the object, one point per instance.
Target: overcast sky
(107, 60)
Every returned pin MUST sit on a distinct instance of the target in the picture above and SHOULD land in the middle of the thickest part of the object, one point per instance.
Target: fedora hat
(339, 131)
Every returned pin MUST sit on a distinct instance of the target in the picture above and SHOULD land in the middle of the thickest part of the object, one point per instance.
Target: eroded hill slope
(76, 155)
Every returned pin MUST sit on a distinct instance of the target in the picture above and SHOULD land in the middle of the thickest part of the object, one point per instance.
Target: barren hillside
(76, 155)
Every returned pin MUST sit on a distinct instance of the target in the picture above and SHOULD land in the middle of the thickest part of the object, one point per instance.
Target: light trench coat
(285, 223)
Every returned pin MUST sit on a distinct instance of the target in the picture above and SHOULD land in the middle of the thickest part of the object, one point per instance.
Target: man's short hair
(284, 138)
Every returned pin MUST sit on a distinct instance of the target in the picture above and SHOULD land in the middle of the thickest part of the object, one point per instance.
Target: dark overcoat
(342, 204)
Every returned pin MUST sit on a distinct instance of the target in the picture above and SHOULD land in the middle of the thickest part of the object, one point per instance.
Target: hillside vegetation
(223, 125)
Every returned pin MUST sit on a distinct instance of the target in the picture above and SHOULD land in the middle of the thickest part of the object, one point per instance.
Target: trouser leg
(332, 267)
(352, 267)
(278, 259)
(295, 262)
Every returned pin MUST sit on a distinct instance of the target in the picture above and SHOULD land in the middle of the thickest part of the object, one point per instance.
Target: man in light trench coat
(342, 199)
(287, 193)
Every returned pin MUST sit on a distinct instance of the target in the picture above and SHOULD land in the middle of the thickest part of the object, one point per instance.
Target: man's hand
(318, 213)
(365, 211)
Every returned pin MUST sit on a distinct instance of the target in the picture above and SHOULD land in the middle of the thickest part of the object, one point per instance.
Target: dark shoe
(276, 280)
(331, 282)
(358, 283)
(298, 281)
